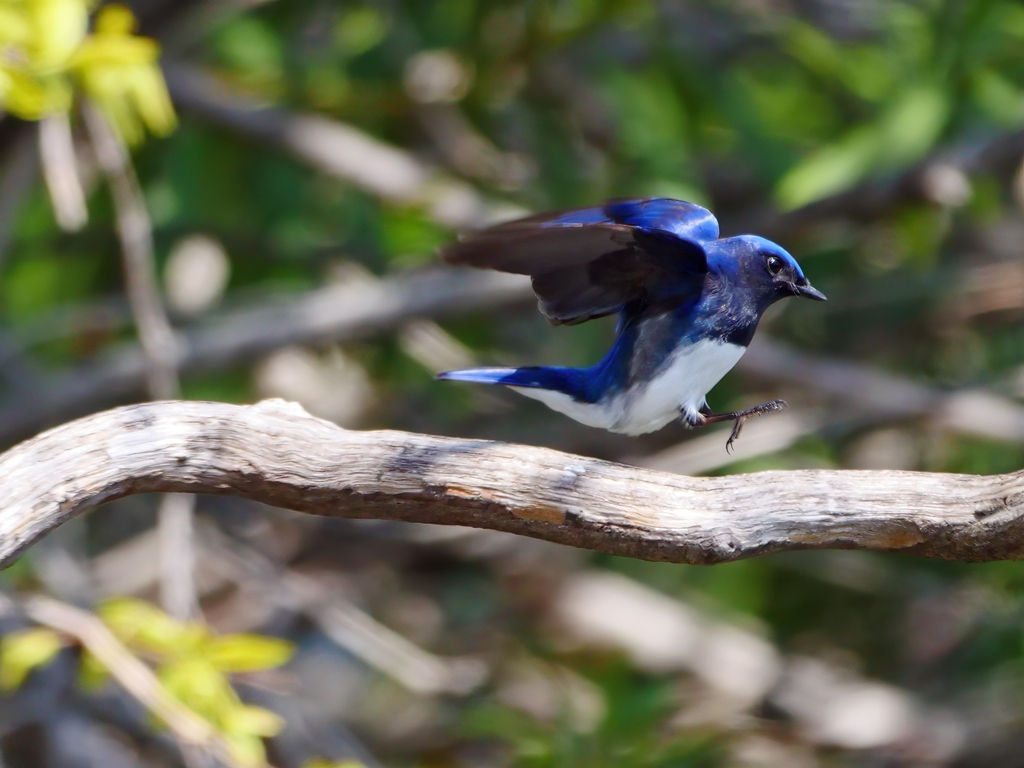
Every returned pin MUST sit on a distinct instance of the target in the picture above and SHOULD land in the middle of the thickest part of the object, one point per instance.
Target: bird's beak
(808, 291)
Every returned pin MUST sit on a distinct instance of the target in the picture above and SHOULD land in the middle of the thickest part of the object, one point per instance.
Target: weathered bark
(276, 453)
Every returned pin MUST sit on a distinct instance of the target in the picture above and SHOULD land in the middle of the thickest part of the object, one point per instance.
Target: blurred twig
(341, 313)
(134, 676)
(740, 670)
(198, 91)
(276, 453)
(159, 347)
(331, 314)
(380, 647)
(332, 147)
(321, 600)
(136, 233)
(60, 171)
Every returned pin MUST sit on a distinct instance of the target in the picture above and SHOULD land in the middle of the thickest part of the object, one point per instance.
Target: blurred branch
(134, 676)
(159, 347)
(872, 392)
(467, 150)
(136, 234)
(60, 171)
(278, 454)
(741, 671)
(130, 568)
(346, 624)
(346, 312)
(332, 147)
(331, 314)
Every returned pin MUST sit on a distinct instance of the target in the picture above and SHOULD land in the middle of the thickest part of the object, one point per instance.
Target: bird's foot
(742, 416)
(739, 417)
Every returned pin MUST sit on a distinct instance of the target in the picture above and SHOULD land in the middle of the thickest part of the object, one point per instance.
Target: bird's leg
(739, 417)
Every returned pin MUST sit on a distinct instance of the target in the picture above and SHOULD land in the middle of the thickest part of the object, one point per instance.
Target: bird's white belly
(682, 384)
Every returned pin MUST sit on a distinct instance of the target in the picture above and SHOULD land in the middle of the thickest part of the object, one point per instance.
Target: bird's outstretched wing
(592, 262)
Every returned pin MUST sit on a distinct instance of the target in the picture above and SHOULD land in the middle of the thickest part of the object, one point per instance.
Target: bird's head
(762, 267)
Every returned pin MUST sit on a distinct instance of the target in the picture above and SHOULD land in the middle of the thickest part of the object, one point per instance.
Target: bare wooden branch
(276, 453)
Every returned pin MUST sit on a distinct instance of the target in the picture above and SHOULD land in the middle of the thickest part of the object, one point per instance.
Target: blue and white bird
(688, 305)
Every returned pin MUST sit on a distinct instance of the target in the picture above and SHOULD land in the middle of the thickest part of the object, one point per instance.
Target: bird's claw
(736, 427)
(757, 410)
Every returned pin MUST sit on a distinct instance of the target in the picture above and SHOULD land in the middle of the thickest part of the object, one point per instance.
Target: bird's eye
(774, 264)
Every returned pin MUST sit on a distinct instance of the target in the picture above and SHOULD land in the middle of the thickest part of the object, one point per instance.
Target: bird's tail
(483, 376)
(567, 380)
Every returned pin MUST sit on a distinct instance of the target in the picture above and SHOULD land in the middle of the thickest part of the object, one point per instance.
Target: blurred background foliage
(880, 142)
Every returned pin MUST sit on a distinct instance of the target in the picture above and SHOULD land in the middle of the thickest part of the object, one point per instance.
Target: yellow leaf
(247, 653)
(144, 626)
(57, 29)
(120, 74)
(14, 26)
(122, 78)
(252, 720)
(21, 652)
(201, 687)
(31, 98)
(5, 83)
(152, 102)
(110, 51)
(247, 749)
(115, 19)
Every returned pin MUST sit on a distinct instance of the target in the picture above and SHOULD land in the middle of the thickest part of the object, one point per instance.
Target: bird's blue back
(677, 217)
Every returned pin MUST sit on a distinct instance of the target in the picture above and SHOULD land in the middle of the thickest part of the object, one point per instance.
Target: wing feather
(591, 262)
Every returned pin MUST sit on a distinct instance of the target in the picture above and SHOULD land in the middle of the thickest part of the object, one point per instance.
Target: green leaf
(360, 29)
(21, 652)
(253, 52)
(247, 653)
(814, 49)
(652, 120)
(912, 124)
(409, 236)
(998, 97)
(829, 170)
